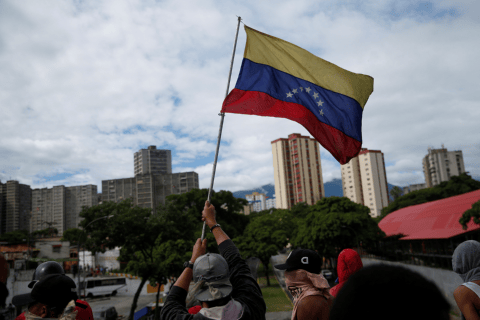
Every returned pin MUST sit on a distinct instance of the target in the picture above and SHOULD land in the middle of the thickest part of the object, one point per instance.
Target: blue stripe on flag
(339, 111)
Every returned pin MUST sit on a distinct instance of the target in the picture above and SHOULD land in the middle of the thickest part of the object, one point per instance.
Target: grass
(275, 299)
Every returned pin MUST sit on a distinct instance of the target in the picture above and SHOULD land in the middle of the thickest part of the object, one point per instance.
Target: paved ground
(284, 315)
(121, 303)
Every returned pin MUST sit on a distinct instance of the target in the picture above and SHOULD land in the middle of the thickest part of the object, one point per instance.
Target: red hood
(348, 263)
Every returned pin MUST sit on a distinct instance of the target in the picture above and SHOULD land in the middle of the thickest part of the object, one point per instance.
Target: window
(56, 249)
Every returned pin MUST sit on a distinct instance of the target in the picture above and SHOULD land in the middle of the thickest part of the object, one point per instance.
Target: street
(121, 303)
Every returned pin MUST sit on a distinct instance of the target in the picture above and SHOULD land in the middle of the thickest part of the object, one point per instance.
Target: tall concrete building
(271, 203)
(149, 190)
(298, 171)
(257, 200)
(152, 161)
(15, 206)
(439, 165)
(59, 207)
(364, 180)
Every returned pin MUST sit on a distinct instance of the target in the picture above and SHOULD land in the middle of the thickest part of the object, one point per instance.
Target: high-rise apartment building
(364, 180)
(15, 206)
(152, 161)
(149, 190)
(298, 171)
(271, 203)
(439, 165)
(258, 201)
(59, 207)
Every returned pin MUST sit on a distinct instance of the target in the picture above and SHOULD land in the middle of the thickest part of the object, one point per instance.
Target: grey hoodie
(466, 260)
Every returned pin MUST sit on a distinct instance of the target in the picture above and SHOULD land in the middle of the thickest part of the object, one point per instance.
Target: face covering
(68, 314)
(302, 283)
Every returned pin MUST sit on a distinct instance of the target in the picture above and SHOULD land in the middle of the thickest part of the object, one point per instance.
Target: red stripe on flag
(342, 147)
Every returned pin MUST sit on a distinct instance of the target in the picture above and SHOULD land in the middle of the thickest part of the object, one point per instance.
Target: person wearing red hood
(348, 263)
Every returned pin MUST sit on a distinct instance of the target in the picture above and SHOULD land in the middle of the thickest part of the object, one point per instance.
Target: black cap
(44, 269)
(55, 290)
(305, 259)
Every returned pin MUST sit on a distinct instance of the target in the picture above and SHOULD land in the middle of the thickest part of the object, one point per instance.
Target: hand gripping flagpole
(221, 123)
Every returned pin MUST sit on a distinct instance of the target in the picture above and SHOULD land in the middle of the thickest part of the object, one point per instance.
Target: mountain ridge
(332, 189)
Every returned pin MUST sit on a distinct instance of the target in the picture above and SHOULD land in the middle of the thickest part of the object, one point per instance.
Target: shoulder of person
(313, 307)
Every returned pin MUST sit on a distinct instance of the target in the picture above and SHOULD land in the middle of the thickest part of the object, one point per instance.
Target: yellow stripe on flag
(284, 56)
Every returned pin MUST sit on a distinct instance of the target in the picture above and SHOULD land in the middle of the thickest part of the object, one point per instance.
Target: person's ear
(44, 312)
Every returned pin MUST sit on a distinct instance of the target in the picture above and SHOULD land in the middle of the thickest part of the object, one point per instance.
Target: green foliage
(265, 235)
(455, 186)
(15, 237)
(47, 232)
(396, 192)
(73, 235)
(321, 229)
(473, 212)
(228, 213)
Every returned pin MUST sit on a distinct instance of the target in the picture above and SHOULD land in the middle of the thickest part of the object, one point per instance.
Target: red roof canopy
(433, 220)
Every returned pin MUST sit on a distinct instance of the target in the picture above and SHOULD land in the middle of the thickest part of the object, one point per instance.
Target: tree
(15, 237)
(265, 235)
(455, 186)
(322, 230)
(144, 238)
(72, 235)
(396, 192)
(473, 212)
(228, 212)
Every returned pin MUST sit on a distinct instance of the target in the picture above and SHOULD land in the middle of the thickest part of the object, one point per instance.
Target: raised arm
(208, 215)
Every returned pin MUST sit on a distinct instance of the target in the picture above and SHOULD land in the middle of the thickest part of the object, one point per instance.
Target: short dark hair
(219, 302)
(383, 291)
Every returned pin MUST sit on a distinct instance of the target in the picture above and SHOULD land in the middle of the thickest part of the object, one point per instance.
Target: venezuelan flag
(280, 79)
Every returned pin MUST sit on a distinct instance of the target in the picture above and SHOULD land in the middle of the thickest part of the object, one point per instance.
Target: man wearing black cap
(84, 311)
(49, 298)
(310, 290)
(223, 283)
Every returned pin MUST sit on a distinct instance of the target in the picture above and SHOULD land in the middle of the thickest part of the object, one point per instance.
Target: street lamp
(78, 255)
(356, 238)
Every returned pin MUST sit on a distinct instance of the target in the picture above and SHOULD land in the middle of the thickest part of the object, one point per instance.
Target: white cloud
(76, 75)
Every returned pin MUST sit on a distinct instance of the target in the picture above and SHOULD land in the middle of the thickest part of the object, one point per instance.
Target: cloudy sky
(85, 84)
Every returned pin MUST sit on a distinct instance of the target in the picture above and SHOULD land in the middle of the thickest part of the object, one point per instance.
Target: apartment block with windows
(364, 180)
(270, 203)
(149, 190)
(439, 165)
(298, 171)
(15, 206)
(414, 187)
(152, 161)
(59, 207)
(258, 201)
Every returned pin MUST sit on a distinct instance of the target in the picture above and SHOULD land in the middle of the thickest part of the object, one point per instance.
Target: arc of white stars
(308, 89)
(320, 103)
(321, 112)
(315, 95)
(289, 95)
(294, 91)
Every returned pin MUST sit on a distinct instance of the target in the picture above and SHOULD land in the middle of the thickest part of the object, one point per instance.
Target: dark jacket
(245, 290)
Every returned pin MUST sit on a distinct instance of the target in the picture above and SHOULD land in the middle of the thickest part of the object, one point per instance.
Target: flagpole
(221, 123)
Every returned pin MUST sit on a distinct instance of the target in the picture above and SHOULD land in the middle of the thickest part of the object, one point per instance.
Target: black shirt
(245, 290)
